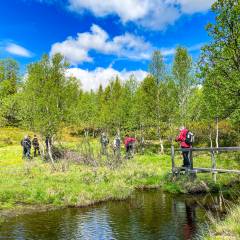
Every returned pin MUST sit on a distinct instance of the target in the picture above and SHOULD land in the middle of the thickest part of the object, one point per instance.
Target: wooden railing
(213, 168)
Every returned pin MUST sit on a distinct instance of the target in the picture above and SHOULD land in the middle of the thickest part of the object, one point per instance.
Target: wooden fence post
(193, 175)
(191, 159)
(214, 174)
(173, 161)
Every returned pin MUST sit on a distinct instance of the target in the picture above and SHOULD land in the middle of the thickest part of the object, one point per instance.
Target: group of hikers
(116, 145)
(186, 139)
(27, 144)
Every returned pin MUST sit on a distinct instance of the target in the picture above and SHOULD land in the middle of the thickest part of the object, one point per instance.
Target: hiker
(35, 144)
(26, 144)
(116, 145)
(129, 145)
(185, 142)
(104, 143)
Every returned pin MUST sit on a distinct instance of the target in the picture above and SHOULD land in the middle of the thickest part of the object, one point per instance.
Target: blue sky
(102, 38)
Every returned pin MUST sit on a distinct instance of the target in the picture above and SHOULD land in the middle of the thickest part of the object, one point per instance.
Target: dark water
(146, 215)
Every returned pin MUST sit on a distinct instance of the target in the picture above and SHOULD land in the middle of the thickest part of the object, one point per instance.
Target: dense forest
(203, 94)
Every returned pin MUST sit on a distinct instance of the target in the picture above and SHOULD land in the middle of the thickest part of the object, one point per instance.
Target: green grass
(12, 136)
(228, 229)
(11, 155)
(24, 183)
(33, 183)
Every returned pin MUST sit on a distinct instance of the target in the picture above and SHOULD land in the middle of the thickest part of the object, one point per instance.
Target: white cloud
(171, 51)
(159, 15)
(168, 51)
(153, 14)
(127, 10)
(193, 6)
(17, 50)
(76, 50)
(91, 80)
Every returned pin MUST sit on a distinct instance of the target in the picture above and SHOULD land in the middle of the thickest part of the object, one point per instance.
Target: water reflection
(146, 215)
(189, 228)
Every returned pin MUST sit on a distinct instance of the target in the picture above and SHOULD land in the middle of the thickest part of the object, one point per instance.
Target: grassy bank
(33, 184)
(228, 229)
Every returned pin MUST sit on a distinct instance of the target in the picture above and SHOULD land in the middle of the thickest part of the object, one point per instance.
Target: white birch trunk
(217, 134)
(50, 154)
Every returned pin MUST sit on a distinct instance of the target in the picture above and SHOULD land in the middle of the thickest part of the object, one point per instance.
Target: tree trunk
(210, 136)
(160, 141)
(210, 139)
(217, 134)
(50, 153)
(161, 146)
(86, 133)
(42, 152)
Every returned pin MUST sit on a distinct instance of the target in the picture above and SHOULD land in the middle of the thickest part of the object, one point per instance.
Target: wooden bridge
(213, 169)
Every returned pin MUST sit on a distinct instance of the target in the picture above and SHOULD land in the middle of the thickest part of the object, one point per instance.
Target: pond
(146, 215)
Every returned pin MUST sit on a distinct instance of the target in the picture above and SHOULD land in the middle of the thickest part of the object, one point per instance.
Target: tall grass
(228, 229)
(81, 185)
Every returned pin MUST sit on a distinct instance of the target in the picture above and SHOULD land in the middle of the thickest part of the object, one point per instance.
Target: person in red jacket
(129, 142)
(182, 139)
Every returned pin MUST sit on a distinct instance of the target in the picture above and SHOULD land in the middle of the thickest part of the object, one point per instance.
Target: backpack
(35, 142)
(105, 140)
(189, 138)
(25, 143)
(117, 142)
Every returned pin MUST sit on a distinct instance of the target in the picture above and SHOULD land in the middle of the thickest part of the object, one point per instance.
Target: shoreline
(23, 209)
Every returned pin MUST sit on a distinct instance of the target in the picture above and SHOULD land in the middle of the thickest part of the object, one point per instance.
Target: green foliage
(47, 95)
(9, 77)
(146, 103)
(157, 67)
(184, 80)
(166, 98)
(220, 60)
(9, 81)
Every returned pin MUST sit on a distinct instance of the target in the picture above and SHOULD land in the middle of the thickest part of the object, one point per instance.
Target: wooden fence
(213, 169)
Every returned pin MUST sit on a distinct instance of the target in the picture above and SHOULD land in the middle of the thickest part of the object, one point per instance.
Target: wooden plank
(220, 149)
(215, 170)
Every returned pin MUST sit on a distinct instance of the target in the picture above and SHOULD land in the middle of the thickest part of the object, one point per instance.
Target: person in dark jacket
(35, 144)
(129, 144)
(116, 146)
(26, 144)
(182, 139)
(104, 141)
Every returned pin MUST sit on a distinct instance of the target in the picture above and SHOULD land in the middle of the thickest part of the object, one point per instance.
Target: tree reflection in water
(146, 215)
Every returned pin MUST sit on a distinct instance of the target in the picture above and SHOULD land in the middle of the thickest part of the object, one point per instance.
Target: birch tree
(184, 80)
(47, 96)
(158, 71)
